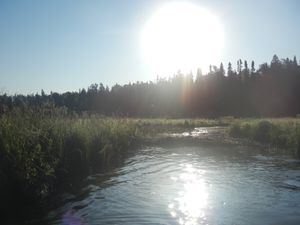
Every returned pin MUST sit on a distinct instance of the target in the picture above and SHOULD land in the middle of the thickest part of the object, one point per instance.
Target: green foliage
(262, 131)
(41, 147)
(281, 133)
(46, 146)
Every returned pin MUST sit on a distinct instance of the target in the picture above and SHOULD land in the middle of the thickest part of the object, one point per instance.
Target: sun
(182, 36)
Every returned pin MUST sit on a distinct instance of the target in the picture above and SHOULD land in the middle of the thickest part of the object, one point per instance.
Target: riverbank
(281, 134)
(46, 150)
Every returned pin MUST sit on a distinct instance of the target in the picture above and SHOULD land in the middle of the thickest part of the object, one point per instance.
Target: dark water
(212, 185)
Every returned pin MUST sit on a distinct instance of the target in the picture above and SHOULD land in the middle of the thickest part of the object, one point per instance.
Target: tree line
(272, 89)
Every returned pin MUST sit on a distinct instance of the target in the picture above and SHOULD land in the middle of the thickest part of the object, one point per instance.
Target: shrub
(262, 131)
(279, 133)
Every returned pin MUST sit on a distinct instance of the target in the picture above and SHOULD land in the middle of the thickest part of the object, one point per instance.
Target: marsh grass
(44, 148)
(281, 133)
(152, 127)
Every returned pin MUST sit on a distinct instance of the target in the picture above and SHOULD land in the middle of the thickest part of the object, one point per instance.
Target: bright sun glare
(191, 204)
(182, 36)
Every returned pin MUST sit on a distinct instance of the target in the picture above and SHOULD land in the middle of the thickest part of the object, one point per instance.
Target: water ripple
(188, 185)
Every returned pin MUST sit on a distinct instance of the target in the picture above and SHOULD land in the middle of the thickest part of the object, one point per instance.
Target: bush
(262, 131)
(282, 133)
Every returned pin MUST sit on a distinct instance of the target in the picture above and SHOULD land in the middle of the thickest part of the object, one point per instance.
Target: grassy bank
(44, 148)
(152, 127)
(47, 147)
(282, 134)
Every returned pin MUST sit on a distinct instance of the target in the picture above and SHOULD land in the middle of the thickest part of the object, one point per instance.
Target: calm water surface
(209, 184)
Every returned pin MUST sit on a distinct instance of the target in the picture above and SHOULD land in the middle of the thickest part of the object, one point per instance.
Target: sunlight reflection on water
(190, 204)
(208, 185)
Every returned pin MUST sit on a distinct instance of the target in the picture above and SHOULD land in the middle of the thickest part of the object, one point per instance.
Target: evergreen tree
(222, 71)
(275, 63)
(295, 64)
(230, 71)
(252, 68)
(181, 95)
(245, 72)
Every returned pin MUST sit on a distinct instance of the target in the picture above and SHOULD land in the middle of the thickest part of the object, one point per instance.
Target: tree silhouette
(271, 90)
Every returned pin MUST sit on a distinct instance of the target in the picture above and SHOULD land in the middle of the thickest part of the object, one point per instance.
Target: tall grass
(152, 127)
(281, 133)
(44, 147)
(41, 148)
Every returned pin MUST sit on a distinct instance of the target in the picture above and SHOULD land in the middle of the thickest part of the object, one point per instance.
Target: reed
(281, 133)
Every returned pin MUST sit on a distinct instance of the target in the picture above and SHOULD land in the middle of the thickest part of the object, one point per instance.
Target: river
(201, 184)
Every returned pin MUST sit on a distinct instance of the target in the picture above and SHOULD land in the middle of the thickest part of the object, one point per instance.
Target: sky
(64, 45)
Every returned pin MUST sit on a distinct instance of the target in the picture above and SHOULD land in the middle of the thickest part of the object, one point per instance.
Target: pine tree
(252, 68)
(295, 64)
(230, 71)
(245, 74)
(222, 71)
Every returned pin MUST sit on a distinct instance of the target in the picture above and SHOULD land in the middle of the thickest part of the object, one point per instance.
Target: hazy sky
(62, 46)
